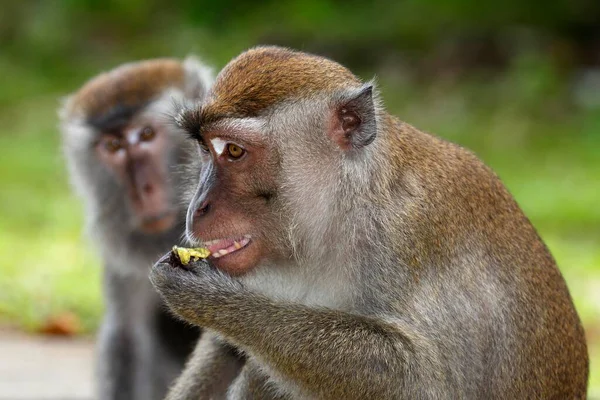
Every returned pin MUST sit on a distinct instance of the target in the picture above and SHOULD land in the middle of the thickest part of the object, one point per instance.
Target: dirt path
(45, 368)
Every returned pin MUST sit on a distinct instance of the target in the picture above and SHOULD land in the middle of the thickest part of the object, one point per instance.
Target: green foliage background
(502, 78)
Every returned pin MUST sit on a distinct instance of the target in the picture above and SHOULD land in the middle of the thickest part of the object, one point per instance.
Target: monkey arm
(134, 361)
(327, 353)
(117, 361)
(210, 371)
(252, 383)
(113, 366)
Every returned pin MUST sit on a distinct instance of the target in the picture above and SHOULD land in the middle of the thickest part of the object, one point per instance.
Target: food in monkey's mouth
(214, 248)
(185, 255)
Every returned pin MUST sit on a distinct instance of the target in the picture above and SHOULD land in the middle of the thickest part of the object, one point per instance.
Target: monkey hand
(195, 292)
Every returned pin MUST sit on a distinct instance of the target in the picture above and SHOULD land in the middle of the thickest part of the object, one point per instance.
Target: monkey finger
(171, 278)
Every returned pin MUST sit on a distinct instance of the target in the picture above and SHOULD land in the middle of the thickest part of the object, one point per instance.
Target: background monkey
(121, 151)
(357, 257)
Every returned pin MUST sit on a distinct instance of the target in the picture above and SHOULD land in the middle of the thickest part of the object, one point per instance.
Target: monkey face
(234, 212)
(274, 125)
(137, 156)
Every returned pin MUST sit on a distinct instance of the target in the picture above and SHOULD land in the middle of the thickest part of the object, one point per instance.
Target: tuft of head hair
(120, 93)
(264, 76)
(129, 85)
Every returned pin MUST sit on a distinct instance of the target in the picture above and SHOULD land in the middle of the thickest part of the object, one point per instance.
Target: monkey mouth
(158, 223)
(222, 247)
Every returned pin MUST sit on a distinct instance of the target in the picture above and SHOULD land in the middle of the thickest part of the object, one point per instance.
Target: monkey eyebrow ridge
(245, 124)
(116, 117)
(190, 120)
(195, 121)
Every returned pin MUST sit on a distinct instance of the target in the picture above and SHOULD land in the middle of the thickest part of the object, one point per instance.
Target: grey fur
(141, 347)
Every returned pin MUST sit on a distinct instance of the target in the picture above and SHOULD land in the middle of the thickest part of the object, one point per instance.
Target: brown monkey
(356, 257)
(121, 150)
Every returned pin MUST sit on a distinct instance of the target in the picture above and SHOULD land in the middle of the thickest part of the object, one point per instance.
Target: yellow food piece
(186, 255)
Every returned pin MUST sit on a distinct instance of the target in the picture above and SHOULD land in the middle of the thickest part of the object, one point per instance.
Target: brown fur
(264, 76)
(452, 293)
(128, 85)
(459, 181)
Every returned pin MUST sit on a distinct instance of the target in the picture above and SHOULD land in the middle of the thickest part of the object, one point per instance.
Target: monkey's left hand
(196, 292)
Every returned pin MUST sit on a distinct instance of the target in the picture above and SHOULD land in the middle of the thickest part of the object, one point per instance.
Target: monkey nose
(203, 209)
(147, 189)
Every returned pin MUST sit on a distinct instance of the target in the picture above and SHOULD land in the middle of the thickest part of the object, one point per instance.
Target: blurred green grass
(547, 154)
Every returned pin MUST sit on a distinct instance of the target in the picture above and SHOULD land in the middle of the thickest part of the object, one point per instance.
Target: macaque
(123, 154)
(356, 257)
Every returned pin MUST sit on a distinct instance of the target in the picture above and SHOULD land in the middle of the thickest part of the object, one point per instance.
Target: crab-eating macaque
(356, 257)
(123, 154)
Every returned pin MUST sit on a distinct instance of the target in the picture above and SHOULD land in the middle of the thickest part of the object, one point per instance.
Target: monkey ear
(353, 124)
(198, 78)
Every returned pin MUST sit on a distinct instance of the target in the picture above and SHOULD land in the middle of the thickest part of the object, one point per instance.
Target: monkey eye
(235, 152)
(112, 145)
(147, 134)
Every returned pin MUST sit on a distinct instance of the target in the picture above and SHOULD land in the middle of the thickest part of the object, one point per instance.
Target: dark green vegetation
(499, 79)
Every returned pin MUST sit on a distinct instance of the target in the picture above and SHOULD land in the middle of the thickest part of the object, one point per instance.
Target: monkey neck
(381, 193)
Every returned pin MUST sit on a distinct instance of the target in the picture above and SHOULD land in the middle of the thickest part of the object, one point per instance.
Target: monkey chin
(240, 261)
